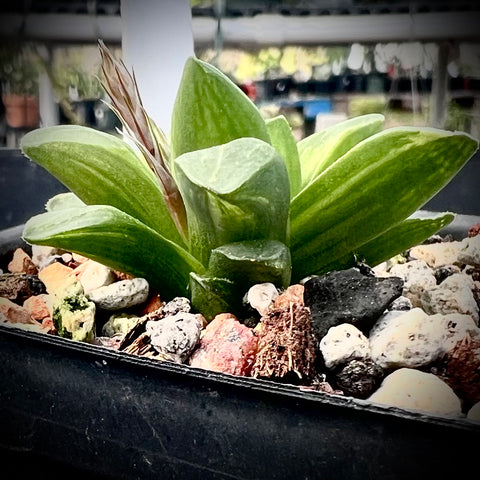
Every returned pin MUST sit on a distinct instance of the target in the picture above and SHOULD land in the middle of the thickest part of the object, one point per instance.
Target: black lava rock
(359, 378)
(348, 296)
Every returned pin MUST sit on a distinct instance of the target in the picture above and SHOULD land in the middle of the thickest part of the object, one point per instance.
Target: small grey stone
(120, 295)
(400, 304)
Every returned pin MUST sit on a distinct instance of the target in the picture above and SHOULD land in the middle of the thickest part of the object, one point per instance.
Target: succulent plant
(232, 199)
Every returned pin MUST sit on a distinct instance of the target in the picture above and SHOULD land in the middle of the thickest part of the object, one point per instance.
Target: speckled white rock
(470, 251)
(175, 336)
(418, 277)
(261, 296)
(120, 295)
(437, 254)
(453, 295)
(95, 275)
(407, 339)
(457, 327)
(415, 390)
(343, 343)
(474, 413)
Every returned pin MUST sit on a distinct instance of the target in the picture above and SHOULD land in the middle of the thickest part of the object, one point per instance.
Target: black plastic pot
(83, 411)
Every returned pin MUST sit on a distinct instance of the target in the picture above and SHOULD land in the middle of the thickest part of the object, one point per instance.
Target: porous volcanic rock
(358, 378)
(348, 296)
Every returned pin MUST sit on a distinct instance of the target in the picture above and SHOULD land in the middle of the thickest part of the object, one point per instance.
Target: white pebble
(416, 390)
(261, 296)
(343, 343)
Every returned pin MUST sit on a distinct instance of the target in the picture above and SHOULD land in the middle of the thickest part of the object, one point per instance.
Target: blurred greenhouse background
(318, 61)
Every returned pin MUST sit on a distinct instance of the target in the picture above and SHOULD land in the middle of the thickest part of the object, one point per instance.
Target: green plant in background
(232, 200)
(19, 68)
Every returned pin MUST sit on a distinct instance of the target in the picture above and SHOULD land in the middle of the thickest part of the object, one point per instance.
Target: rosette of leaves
(232, 200)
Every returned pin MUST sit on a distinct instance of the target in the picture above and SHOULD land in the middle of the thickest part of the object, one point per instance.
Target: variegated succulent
(231, 199)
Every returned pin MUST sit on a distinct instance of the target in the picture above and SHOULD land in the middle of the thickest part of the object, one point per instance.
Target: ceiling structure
(253, 23)
(241, 8)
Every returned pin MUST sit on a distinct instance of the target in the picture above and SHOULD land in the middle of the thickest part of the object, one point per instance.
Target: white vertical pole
(157, 39)
(49, 114)
(48, 107)
(439, 96)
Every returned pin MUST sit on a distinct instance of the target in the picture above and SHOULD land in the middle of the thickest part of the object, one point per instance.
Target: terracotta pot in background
(21, 111)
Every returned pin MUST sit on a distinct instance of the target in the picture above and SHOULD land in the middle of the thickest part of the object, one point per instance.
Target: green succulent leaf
(233, 192)
(109, 236)
(319, 150)
(284, 142)
(211, 110)
(102, 169)
(213, 295)
(62, 201)
(374, 186)
(251, 262)
(400, 237)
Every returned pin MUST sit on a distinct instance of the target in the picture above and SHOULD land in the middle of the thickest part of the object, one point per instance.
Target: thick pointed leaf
(211, 110)
(319, 150)
(62, 201)
(400, 237)
(374, 186)
(255, 261)
(233, 192)
(112, 237)
(102, 169)
(233, 269)
(284, 142)
(213, 295)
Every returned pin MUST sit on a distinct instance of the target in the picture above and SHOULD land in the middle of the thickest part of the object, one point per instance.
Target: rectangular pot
(78, 410)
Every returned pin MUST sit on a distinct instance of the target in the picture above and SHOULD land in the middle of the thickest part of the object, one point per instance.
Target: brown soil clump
(286, 348)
